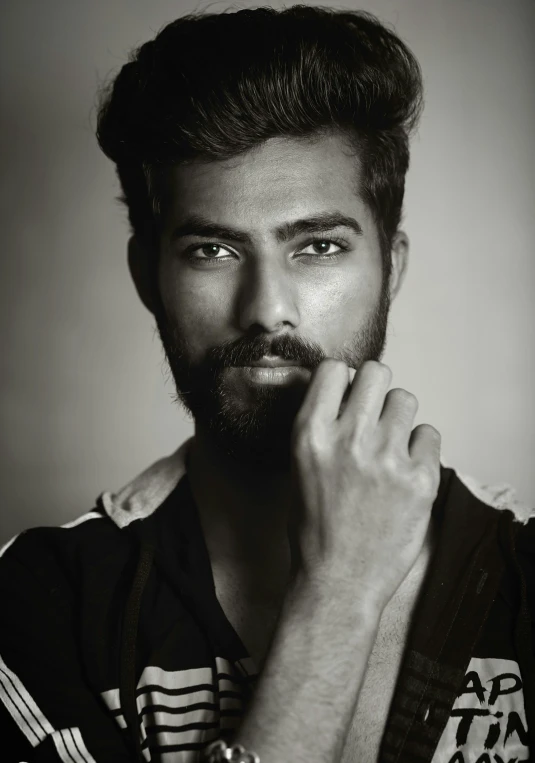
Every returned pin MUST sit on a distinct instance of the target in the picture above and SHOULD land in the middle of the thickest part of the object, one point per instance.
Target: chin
(259, 435)
(257, 456)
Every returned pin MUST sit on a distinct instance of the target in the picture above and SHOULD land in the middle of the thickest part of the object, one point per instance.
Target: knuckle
(434, 433)
(376, 369)
(301, 425)
(384, 371)
(431, 432)
(309, 439)
(301, 431)
(353, 444)
(390, 462)
(403, 397)
(425, 480)
(410, 399)
(330, 366)
(334, 365)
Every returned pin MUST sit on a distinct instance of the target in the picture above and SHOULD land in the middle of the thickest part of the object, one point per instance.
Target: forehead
(282, 179)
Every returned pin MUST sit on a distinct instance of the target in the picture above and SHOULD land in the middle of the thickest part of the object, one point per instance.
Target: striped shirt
(114, 647)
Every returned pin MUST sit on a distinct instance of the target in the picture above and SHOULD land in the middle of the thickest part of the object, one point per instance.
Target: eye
(324, 248)
(207, 253)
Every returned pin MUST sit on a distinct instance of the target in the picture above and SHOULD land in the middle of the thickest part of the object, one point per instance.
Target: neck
(243, 512)
(244, 515)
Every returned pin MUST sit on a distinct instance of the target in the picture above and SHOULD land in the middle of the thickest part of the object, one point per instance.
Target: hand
(364, 482)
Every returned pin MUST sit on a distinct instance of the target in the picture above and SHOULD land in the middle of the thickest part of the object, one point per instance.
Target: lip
(272, 361)
(273, 375)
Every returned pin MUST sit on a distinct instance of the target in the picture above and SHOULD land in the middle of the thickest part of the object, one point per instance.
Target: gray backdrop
(84, 402)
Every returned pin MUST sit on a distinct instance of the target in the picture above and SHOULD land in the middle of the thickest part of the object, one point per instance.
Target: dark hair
(211, 86)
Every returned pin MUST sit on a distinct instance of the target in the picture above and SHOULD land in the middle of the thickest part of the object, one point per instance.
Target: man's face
(272, 253)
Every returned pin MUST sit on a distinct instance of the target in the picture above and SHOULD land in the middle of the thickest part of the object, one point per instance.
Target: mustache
(246, 350)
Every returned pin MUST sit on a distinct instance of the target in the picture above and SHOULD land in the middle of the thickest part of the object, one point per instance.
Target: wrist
(320, 591)
(321, 619)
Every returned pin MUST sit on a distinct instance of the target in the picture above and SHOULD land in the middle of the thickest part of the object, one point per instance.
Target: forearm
(306, 695)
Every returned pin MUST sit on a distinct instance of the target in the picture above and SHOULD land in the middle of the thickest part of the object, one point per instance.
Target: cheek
(193, 308)
(337, 304)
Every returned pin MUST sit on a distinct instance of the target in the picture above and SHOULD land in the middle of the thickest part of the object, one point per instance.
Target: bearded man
(302, 580)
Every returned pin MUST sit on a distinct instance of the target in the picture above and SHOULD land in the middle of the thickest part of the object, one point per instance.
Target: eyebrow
(196, 225)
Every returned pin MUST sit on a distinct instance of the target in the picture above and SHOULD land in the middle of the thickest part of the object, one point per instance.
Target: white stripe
(16, 715)
(182, 756)
(121, 721)
(80, 744)
(67, 525)
(142, 732)
(242, 667)
(59, 742)
(163, 718)
(167, 679)
(187, 716)
(206, 715)
(26, 706)
(67, 739)
(225, 684)
(193, 736)
(111, 698)
(175, 700)
(175, 679)
(181, 679)
(83, 518)
(7, 545)
(166, 717)
(172, 680)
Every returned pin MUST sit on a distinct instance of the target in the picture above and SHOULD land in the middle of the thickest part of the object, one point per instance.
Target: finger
(325, 391)
(397, 416)
(366, 398)
(352, 373)
(424, 444)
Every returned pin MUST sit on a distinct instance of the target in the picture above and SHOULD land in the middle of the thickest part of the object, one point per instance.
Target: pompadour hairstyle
(211, 86)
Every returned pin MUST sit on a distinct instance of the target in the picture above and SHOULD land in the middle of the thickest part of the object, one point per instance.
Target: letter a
(472, 685)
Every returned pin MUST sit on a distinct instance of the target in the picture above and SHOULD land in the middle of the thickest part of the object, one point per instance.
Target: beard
(255, 429)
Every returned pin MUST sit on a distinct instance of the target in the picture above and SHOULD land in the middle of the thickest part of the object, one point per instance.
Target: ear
(141, 263)
(400, 261)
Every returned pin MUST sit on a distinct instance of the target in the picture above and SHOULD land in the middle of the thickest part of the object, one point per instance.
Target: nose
(267, 300)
